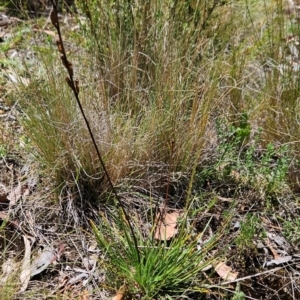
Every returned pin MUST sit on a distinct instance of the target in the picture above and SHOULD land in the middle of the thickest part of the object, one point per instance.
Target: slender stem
(75, 88)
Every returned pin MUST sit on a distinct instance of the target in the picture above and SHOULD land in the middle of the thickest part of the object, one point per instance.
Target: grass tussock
(151, 88)
(144, 92)
(157, 272)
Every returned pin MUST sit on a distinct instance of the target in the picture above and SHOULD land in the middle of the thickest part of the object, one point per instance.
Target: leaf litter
(166, 225)
(16, 193)
(225, 272)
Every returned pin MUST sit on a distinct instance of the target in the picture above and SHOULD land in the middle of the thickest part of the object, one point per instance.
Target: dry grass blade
(26, 269)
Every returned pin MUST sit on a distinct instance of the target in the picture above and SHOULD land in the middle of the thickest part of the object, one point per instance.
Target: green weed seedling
(274, 165)
(232, 139)
(249, 229)
(238, 294)
(266, 172)
(3, 151)
(291, 230)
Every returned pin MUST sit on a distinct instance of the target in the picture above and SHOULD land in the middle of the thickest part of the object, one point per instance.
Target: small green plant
(291, 230)
(3, 151)
(232, 138)
(165, 267)
(274, 166)
(265, 170)
(238, 294)
(248, 230)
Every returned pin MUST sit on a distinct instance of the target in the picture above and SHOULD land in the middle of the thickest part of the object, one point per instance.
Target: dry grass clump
(155, 79)
(147, 90)
(151, 77)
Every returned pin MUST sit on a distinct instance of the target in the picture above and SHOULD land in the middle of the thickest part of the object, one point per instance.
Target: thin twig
(251, 276)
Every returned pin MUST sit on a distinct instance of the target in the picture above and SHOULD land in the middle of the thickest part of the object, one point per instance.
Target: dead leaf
(225, 272)
(279, 260)
(279, 240)
(26, 270)
(119, 296)
(47, 257)
(275, 254)
(42, 261)
(166, 226)
(16, 193)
